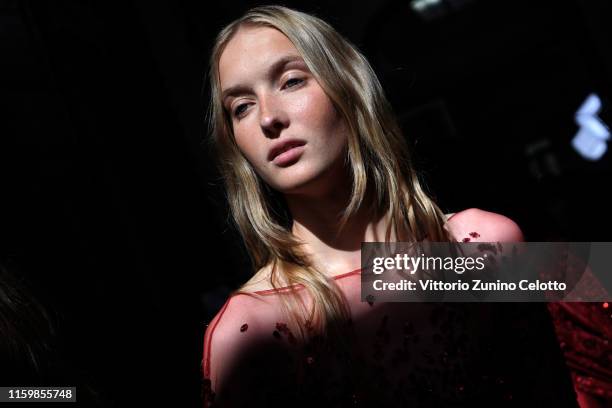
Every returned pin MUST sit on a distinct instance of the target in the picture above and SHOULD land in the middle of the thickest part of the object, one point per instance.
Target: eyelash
(299, 82)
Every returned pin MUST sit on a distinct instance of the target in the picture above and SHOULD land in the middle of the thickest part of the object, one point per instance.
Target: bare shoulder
(476, 225)
(260, 280)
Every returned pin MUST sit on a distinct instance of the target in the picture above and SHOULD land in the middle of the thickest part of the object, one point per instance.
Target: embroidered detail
(284, 329)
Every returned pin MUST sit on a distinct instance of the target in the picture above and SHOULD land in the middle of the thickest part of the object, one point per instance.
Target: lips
(283, 146)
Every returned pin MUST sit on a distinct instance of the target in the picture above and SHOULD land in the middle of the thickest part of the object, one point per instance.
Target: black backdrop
(113, 216)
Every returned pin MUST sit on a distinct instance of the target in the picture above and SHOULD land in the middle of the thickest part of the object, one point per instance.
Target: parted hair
(378, 160)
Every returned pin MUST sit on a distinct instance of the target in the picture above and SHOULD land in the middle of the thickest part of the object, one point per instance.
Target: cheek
(319, 113)
(248, 148)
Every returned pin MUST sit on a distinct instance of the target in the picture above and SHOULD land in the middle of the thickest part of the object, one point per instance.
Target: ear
(476, 225)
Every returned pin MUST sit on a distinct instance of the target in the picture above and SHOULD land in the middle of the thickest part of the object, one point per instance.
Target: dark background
(113, 216)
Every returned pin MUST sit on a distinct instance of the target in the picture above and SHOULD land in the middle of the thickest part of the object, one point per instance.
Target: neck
(316, 224)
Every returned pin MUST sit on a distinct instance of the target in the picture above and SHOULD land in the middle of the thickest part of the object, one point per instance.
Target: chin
(293, 179)
(305, 179)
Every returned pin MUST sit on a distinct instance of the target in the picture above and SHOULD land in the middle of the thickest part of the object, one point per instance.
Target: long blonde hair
(383, 178)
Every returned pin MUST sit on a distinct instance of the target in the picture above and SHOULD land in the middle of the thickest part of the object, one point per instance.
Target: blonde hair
(382, 175)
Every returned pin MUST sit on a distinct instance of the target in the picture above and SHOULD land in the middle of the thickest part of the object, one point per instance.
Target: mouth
(282, 150)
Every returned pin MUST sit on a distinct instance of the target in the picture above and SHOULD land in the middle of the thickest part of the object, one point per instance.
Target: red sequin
(244, 328)
(466, 240)
(283, 328)
(474, 234)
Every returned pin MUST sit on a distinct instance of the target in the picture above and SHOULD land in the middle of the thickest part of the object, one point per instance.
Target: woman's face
(283, 121)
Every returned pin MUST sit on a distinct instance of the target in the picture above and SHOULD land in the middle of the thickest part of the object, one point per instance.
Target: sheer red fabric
(393, 354)
(585, 333)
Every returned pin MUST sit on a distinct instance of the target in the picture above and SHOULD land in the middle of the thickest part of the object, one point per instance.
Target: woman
(314, 163)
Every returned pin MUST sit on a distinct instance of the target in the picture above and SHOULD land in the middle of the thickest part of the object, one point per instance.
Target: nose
(273, 117)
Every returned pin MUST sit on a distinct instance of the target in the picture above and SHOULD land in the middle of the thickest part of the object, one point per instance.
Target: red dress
(585, 335)
(392, 354)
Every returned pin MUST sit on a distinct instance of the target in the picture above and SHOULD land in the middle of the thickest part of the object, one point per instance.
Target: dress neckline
(286, 288)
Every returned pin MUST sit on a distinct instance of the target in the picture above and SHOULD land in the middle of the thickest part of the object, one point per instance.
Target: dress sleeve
(240, 354)
(225, 338)
(206, 360)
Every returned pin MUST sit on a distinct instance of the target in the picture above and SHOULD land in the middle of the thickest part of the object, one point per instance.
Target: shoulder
(260, 282)
(229, 332)
(474, 224)
(239, 314)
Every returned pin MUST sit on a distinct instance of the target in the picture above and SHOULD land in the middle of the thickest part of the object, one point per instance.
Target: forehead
(250, 51)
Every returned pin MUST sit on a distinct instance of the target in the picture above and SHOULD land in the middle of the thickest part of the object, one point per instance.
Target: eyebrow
(273, 70)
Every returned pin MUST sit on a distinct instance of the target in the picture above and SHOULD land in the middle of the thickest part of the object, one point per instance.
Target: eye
(239, 109)
(292, 82)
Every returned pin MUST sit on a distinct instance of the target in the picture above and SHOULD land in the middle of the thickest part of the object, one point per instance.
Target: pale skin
(270, 105)
(291, 103)
(267, 106)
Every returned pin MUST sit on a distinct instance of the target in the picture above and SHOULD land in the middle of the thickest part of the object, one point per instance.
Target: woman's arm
(244, 361)
(227, 337)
